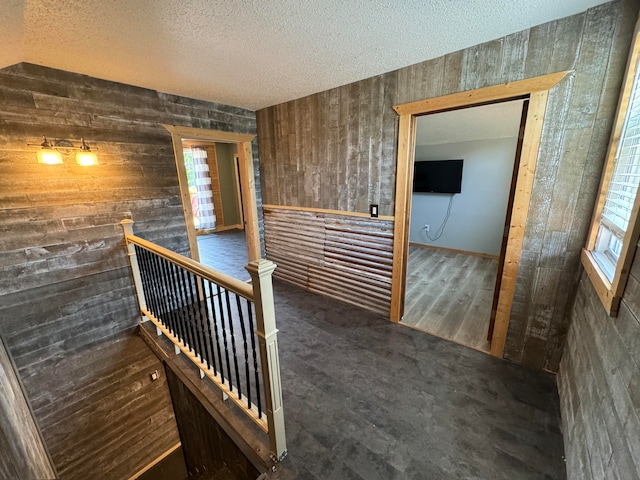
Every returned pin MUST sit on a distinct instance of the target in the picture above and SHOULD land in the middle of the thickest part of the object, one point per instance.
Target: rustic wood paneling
(333, 150)
(206, 446)
(345, 257)
(599, 383)
(67, 306)
(359, 140)
(24, 454)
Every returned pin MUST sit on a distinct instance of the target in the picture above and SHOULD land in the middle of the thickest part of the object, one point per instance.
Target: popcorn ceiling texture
(254, 54)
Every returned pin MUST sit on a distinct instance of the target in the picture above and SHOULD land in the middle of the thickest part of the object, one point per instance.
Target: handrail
(230, 283)
(209, 317)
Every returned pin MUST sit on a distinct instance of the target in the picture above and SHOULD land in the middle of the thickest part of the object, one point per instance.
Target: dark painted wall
(599, 385)
(337, 150)
(67, 306)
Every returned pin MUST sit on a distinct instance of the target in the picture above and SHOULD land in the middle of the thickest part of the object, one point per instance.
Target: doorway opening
(217, 187)
(536, 91)
(465, 162)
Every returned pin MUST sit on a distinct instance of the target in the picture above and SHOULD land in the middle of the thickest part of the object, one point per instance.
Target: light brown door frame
(236, 166)
(247, 180)
(536, 90)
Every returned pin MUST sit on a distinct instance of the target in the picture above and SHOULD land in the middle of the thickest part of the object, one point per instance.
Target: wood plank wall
(599, 385)
(24, 454)
(345, 257)
(337, 150)
(67, 306)
(206, 446)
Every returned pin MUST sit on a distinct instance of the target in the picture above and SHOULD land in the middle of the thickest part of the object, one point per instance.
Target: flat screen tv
(438, 176)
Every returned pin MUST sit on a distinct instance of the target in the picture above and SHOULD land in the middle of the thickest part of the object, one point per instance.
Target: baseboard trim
(153, 463)
(464, 252)
(222, 228)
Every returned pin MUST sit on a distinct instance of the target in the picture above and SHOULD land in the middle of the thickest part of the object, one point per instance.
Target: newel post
(127, 226)
(260, 271)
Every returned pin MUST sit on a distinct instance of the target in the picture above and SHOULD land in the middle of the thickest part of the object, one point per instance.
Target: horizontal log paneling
(344, 257)
(67, 304)
(337, 150)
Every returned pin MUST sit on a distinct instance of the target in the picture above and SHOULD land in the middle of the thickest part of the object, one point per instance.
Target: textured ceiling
(498, 120)
(255, 53)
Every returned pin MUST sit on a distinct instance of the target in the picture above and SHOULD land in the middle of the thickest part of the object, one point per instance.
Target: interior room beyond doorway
(456, 231)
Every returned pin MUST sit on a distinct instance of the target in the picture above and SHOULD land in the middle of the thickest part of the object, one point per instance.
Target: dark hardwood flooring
(225, 251)
(449, 295)
(368, 399)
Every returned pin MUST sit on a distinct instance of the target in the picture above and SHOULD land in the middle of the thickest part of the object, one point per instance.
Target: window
(614, 230)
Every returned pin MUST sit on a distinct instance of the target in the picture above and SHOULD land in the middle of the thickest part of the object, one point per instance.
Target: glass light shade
(49, 156)
(86, 158)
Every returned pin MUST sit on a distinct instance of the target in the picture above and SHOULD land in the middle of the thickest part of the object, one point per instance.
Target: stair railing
(216, 320)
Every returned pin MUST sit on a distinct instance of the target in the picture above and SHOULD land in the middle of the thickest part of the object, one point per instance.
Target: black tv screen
(438, 176)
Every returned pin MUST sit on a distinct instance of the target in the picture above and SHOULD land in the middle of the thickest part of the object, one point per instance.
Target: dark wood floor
(226, 252)
(368, 399)
(449, 295)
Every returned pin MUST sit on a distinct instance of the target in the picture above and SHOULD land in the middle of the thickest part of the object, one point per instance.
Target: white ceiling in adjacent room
(498, 120)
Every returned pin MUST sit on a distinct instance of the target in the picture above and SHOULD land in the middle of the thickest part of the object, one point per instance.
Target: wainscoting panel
(345, 257)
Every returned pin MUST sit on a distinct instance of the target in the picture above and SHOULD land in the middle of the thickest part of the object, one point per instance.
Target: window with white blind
(614, 230)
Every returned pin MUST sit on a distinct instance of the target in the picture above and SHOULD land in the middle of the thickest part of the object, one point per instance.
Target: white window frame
(610, 250)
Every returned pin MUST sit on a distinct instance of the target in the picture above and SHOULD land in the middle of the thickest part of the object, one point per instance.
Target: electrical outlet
(426, 227)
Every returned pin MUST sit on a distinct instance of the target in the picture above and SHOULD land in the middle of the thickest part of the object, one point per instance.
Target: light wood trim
(328, 212)
(519, 213)
(512, 90)
(197, 143)
(231, 391)
(610, 293)
(224, 228)
(228, 282)
(406, 152)
(236, 166)
(616, 133)
(601, 283)
(247, 178)
(454, 250)
(537, 90)
(154, 462)
(507, 220)
(190, 133)
(250, 208)
(186, 197)
(216, 191)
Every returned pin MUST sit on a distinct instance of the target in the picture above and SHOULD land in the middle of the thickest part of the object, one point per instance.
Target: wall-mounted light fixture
(47, 154)
(85, 156)
(50, 153)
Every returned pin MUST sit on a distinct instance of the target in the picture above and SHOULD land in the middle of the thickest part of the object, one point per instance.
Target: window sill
(600, 283)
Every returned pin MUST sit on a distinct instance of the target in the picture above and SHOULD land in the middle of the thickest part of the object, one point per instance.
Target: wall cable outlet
(427, 227)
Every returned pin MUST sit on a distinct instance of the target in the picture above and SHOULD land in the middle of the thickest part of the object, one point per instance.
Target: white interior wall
(477, 216)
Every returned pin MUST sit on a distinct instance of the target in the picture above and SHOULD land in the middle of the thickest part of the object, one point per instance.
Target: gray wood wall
(599, 385)
(337, 150)
(67, 305)
(24, 454)
(206, 446)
